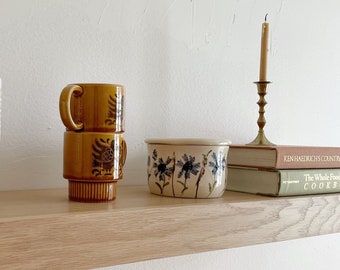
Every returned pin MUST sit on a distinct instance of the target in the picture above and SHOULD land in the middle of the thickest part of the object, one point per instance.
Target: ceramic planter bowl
(187, 168)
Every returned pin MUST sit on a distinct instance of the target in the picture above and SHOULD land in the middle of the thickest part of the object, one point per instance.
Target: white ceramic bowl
(187, 168)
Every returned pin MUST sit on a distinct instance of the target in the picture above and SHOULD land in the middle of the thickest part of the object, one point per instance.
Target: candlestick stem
(261, 139)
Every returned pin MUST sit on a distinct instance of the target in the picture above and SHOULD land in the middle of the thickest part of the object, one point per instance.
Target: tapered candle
(264, 50)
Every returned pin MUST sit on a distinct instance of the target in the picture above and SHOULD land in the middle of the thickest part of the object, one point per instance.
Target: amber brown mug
(93, 163)
(92, 107)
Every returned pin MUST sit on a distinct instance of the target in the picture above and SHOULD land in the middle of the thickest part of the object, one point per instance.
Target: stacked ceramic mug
(94, 147)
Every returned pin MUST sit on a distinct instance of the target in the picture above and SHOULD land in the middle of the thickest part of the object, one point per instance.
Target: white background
(188, 67)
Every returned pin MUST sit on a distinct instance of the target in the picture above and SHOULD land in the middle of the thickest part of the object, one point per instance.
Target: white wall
(188, 67)
(314, 253)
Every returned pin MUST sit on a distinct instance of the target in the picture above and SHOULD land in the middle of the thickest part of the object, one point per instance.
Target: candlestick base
(261, 139)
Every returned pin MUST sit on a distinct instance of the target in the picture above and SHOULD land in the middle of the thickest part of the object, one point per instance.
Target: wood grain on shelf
(42, 229)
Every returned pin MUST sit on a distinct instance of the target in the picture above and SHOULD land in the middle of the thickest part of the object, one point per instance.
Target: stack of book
(283, 170)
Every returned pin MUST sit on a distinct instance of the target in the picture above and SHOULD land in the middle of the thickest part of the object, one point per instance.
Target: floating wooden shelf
(42, 229)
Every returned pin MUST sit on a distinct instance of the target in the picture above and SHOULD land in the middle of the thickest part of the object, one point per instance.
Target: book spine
(307, 157)
(300, 182)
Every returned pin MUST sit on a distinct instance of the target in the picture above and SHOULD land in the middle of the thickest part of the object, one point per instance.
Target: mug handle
(65, 106)
(124, 152)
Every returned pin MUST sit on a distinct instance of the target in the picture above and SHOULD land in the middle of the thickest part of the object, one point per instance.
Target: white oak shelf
(42, 229)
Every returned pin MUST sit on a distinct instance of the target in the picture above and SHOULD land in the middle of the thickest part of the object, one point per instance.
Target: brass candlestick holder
(261, 139)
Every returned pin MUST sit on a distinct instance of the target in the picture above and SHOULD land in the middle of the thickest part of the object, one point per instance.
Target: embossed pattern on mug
(115, 111)
(105, 161)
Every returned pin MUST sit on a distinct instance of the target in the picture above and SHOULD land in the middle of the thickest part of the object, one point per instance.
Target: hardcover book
(283, 182)
(284, 156)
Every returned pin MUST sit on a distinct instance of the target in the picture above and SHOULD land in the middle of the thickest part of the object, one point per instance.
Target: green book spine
(299, 182)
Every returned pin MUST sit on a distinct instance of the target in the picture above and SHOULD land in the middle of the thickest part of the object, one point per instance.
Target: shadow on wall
(148, 88)
(31, 171)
